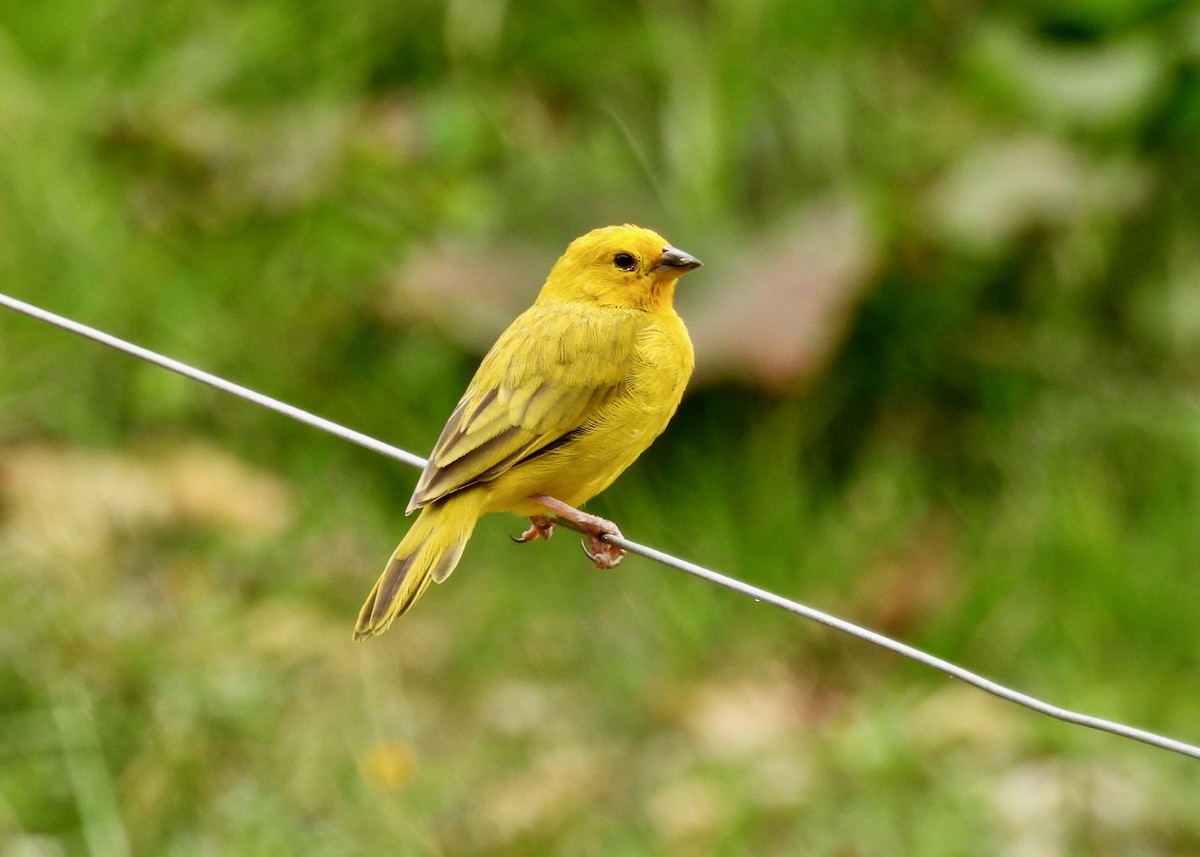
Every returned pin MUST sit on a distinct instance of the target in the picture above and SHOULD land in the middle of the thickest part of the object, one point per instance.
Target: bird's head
(625, 266)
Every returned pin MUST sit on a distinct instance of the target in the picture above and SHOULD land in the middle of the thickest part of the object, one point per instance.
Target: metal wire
(214, 381)
(658, 556)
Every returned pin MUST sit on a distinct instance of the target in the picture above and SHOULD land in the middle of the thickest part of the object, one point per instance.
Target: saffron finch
(568, 397)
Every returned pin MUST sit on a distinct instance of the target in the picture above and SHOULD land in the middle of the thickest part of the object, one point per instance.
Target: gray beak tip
(673, 257)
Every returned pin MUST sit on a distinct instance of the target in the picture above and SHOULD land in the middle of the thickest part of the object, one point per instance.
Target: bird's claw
(602, 554)
(594, 528)
(539, 528)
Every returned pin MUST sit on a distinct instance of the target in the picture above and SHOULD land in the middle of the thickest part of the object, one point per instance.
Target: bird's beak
(673, 257)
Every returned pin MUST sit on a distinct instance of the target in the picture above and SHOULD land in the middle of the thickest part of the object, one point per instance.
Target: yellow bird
(568, 397)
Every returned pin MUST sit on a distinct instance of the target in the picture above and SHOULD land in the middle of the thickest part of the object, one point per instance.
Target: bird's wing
(553, 367)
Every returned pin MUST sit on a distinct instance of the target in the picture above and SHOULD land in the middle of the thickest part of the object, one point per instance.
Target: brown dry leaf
(520, 707)
(471, 291)
(1030, 803)
(747, 715)
(780, 309)
(1038, 805)
(559, 781)
(1121, 799)
(65, 505)
(207, 486)
(688, 808)
(961, 715)
(784, 779)
(291, 632)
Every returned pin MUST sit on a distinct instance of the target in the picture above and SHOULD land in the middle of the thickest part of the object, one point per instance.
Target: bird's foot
(539, 528)
(602, 554)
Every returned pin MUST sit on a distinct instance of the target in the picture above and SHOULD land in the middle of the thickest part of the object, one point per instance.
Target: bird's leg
(602, 554)
(539, 528)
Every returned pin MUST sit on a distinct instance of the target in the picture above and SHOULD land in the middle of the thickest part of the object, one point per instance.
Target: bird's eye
(625, 261)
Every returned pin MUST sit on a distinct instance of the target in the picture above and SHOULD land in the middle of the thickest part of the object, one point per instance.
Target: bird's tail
(429, 552)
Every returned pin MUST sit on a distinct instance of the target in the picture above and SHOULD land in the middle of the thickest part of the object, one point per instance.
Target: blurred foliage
(975, 427)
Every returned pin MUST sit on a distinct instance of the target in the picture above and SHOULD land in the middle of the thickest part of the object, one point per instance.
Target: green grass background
(996, 460)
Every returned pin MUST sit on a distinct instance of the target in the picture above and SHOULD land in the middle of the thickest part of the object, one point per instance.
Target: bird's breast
(623, 429)
(619, 430)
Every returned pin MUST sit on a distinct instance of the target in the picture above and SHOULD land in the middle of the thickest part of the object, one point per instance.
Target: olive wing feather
(538, 385)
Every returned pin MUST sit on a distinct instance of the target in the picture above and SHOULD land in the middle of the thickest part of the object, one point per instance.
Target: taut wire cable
(658, 556)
